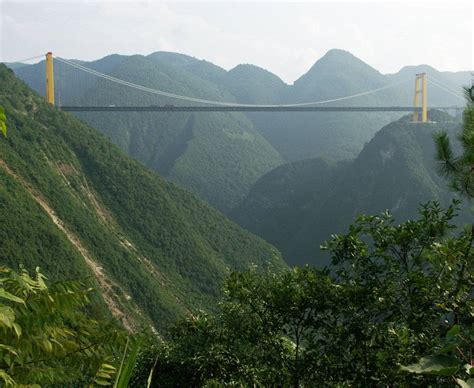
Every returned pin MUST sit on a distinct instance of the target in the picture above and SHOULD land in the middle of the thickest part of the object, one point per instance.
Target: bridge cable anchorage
(212, 102)
(441, 86)
(26, 59)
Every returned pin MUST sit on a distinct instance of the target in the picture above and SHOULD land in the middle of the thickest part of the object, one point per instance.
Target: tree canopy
(391, 295)
(459, 169)
(48, 337)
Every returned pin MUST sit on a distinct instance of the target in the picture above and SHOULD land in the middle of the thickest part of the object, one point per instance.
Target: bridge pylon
(49, 78)
(420, 91)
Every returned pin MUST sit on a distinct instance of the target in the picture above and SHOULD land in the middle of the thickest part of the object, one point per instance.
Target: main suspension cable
(26, 59)
(213, 102)
(447, 90)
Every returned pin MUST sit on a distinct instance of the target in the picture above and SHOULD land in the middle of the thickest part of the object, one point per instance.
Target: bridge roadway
(241, 108)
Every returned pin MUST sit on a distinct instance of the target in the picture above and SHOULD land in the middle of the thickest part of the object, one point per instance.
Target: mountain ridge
(223, 154)
(396, 171)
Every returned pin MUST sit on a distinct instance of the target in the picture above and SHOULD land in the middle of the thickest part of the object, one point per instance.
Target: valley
(220, 156)
(172, 221)
(69, 196)
(298, 206)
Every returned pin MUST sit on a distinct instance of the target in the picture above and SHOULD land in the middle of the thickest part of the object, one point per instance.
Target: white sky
(285, 37)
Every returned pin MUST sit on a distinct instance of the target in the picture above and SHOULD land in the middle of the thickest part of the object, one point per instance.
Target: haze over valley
(220, 156)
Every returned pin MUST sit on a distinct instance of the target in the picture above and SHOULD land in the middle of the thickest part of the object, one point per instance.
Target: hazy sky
(285, 37)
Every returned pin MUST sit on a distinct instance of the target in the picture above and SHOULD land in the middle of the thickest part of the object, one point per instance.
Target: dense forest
(111, 275)
(297, 206)
(393, 309)
(218, 156)
(69, 196)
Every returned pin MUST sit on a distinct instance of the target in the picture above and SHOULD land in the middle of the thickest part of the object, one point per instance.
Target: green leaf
(102, 382)
(7, 359)
(7, 316)
(126, 369)
(150, 377)
(465, 384)
(108, 367)
(469, 369)
(439, 365)
(3, 128)
(9, 349)
(6, 295)
(6, 378)
(17, 329)
(47, 345)
(448, 348)
(453, 331)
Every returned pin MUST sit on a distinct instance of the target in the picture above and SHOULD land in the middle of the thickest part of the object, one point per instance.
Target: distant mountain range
(220, 156)
(74, 204)
(339, 136)
(299, 205)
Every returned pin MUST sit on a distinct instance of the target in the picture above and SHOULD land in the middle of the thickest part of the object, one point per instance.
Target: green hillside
(436, 96)
(396, 170)
(74, 204)
(335, 136)
(339, 136)
(253, 85)
(218, 156)
(332, 136)
(337, 73)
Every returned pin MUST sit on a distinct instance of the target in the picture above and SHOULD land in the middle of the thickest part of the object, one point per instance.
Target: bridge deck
(172, 108)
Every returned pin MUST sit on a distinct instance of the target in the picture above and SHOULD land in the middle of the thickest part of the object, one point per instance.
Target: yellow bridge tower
(49, 78)
(420, 92)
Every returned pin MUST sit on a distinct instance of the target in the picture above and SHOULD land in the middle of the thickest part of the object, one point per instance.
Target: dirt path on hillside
(106, 284)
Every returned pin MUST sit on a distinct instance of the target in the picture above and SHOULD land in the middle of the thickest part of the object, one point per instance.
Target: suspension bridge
(419, 107)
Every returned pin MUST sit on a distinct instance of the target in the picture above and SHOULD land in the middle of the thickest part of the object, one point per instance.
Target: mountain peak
(340, 60)
(338, 69)
(171, 55)
(337, 53)
(253, 71)
(416, 69)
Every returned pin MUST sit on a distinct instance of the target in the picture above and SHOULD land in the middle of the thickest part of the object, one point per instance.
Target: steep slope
(337, 136)
(218, 156)
(189, 148)
(282, 198)
(69, 83)
(337, 73)
(74, 204)
(332, 136)
(396, 170)
(253, 85)
(436, 95)
(200, 68)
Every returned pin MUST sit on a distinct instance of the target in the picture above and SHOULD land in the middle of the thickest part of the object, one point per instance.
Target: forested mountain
(339, 136)
(75, 205)
(219, 156)
(253, 85)
(299, 205)
(453, 81)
